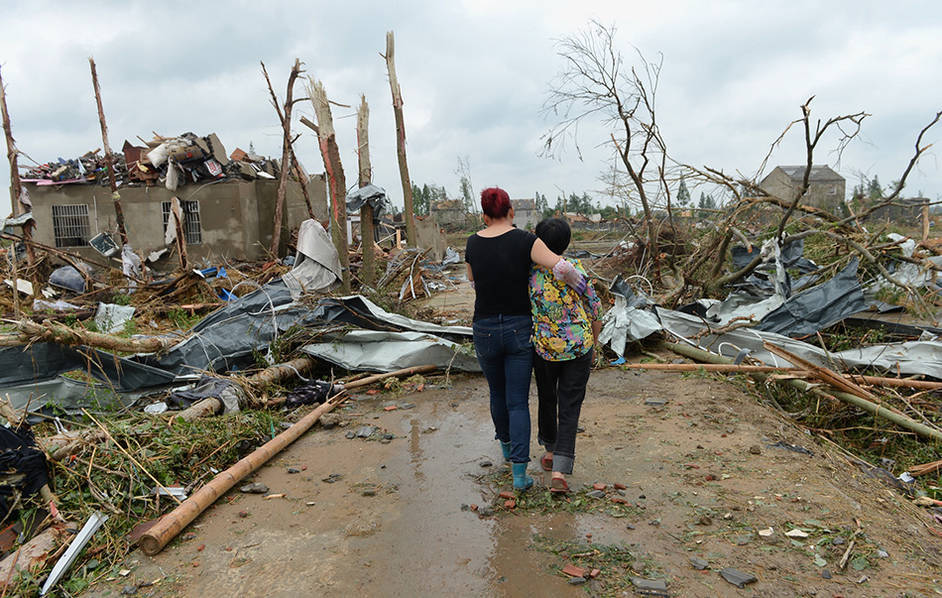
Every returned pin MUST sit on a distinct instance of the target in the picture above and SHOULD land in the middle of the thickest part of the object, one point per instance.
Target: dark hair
(555, 233)
(495, 202)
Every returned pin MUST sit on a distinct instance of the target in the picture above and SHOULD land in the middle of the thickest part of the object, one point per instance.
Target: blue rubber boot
(505, 448)
(521, 480)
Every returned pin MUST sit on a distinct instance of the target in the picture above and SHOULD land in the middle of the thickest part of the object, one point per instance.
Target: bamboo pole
(750, 369)
(17, 200)
(400, 139)
(876, 410)
(171, 524)
(367, 234)
(336, 182)
(109, 157)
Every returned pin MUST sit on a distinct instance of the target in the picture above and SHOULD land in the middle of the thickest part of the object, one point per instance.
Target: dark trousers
(505, 352)
(561, 387)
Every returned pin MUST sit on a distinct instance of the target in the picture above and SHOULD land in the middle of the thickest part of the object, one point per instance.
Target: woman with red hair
(499, 259)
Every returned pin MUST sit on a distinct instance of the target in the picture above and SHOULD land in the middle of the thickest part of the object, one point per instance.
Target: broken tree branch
(58, 333)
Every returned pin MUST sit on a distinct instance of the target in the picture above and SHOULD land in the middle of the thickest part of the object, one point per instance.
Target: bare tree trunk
(336, 182)
(400, 139)
(16, 198)
(287, 153)
(367, 236)
(109, 158)
(286, 122)
(178, 223)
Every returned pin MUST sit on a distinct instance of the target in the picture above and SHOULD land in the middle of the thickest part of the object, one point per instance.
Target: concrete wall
(235, 216)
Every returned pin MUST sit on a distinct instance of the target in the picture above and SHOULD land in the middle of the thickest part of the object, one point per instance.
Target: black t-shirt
(501, 269)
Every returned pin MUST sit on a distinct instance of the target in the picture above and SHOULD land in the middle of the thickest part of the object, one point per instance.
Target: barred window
(191, 220)
(70, 225)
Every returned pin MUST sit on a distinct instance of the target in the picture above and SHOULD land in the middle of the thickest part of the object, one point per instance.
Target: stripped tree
(109, 158)
(289, 161)
(367, 236)
(400, 139)
(336, 182)
(17, 198)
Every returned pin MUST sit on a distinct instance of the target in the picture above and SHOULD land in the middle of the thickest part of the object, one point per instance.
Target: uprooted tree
(596, 84)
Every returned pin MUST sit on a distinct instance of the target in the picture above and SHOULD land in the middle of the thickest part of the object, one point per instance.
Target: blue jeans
(505, 352)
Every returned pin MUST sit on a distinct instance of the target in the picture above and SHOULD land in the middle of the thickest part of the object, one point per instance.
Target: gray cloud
(474, 76)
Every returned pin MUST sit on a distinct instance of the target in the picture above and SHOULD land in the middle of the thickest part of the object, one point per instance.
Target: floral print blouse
(562, 320)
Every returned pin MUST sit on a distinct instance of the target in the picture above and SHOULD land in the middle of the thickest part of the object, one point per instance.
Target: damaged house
(228, 203)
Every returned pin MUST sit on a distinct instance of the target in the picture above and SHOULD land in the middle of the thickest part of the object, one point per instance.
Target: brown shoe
(559, 486)
(546, 462)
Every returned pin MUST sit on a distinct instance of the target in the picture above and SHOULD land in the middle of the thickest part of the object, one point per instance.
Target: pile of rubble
(170, 161)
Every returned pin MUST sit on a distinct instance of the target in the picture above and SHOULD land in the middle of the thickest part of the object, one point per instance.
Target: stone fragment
(650, 587)
(596, 494)
(698, 563)
(826, 574)
(576, 581)
(254, 488)
(737, 577)
(755, 449)
(294, 470)
(796, 533)
(485, 464)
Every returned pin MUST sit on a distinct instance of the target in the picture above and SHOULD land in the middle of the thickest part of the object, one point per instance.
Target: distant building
(449, 214)
(825, 187)
(526, 216)
(902, 211)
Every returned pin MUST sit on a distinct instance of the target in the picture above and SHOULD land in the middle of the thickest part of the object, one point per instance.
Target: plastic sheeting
(909, 358)
(627, 319)
(818, 307)
(390, 351)
(368, 194)
(316, 264)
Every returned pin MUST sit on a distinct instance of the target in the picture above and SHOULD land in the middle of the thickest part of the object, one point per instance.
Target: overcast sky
(474, 76)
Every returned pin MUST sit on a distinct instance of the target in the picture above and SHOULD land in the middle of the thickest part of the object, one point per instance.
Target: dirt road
(703, 476)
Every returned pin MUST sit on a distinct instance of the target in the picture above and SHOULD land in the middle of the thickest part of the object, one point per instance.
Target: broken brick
(620, 487)
(595, 573)
(510, 504)
(599, 486)
(573, 571)
(507, 494)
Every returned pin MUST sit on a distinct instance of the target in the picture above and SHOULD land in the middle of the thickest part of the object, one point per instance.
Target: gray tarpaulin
(368, 194)
(225, 340)
(818, 307)
(389, 351)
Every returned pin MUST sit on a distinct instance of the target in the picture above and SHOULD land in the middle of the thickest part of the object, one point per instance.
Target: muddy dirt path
(703, 476)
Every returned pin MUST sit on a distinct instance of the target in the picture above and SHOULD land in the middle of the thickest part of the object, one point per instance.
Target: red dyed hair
(495, 202)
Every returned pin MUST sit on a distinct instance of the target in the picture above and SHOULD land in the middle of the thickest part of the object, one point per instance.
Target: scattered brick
(573, 571)
(507, 494)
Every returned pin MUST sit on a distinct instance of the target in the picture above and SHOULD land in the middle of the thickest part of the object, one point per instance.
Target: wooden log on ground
(64, 335)
(33, 555)
(171, 524)
(204, 408)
